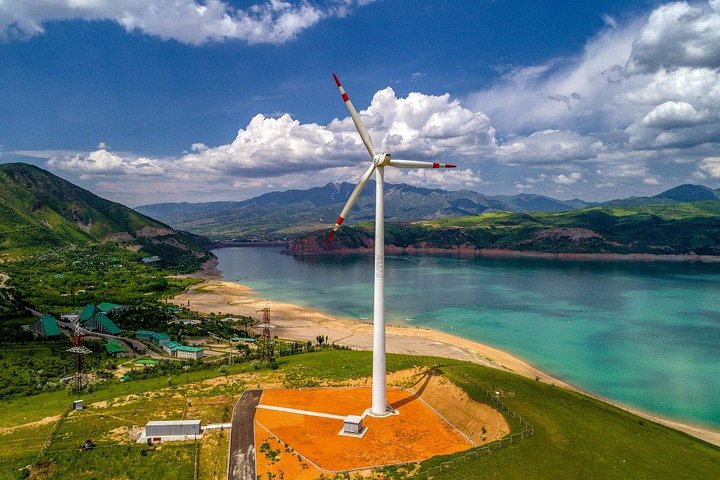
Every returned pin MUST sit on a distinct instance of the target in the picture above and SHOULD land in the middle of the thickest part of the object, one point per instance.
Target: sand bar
(303, 323)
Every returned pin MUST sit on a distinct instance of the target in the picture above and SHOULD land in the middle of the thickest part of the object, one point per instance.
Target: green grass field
(575, 436)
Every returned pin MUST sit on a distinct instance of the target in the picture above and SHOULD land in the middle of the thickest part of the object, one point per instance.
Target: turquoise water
(646, 334)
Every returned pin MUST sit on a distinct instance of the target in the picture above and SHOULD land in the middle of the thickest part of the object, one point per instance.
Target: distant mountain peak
(689, 193)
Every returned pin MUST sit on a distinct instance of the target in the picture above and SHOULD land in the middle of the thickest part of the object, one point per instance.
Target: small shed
(172, 428)
(352, 425)
(78, 405)
(243, 339)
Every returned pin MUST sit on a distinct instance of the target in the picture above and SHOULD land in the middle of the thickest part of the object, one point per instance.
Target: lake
(645, 334)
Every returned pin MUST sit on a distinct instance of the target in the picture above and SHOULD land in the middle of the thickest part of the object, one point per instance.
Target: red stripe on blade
(330, 237)
(337, 80)
(436, 165)
(447, 165)
(339, 220)
(345, 97)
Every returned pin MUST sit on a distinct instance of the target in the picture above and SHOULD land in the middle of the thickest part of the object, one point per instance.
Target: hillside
(39, 210)
(675, 228)
(575, 436)
(281, 215)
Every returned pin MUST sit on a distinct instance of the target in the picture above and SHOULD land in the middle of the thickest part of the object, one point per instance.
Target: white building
(165, 430)
(183, 351)
(192, 353)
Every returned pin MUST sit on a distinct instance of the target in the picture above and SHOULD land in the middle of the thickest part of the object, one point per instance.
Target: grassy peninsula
(683, 228)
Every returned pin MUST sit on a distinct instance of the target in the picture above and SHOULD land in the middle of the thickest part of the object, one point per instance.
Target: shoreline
(508, 253)
(304, 323)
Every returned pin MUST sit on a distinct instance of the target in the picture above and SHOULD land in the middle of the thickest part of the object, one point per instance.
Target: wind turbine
(379, 162)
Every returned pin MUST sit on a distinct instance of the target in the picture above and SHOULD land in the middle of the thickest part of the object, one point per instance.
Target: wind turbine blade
(351, 201)
(364, 134)
(417, 164)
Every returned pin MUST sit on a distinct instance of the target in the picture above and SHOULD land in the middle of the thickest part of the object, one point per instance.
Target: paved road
(241, 461)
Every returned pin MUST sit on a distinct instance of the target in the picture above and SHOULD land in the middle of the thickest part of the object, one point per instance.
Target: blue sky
(189, 100)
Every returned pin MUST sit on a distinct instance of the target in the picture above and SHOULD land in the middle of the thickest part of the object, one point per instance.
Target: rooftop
(115, 347)
(107, 324)
(87, 313)
(106, 307)
(172, 345)
(173, 422)
(47, 326)
(186, 348)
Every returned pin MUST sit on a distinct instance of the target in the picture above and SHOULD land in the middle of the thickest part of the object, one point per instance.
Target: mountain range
(39, 210)
(285, 215)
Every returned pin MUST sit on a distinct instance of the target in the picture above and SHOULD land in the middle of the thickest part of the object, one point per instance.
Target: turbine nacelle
(381, 160)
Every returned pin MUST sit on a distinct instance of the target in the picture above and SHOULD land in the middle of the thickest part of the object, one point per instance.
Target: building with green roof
(158, 338)
(103, 324)
(146, 361)
(170, 347)
(193, 353)
(87, 313)
(179, 350)
(47, 326)
(243, 339)
(107, 307)
(144, 334)
(114, 347)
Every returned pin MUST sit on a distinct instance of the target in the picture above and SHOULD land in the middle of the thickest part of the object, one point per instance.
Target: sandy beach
(302, 323)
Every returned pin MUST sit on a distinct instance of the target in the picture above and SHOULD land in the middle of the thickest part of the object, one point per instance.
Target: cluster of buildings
(95, 318)
(92, 317)
(172, 348)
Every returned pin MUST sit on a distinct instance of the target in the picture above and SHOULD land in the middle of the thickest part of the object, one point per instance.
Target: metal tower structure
(79, 380)
(267, 352)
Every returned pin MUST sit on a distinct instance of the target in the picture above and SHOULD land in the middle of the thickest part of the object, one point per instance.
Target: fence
(528, 431)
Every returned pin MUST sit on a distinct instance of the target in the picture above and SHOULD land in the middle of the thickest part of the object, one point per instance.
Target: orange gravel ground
(286, 465)
(417, 433)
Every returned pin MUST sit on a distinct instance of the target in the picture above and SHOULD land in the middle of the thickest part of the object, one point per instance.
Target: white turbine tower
(379, 162)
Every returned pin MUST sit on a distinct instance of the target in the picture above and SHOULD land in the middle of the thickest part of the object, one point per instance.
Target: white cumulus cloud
(640, 99)
(418, 127)
(422, 126)
(674, 114)
(678, 34)
(102, 162)
(287, 153)
(709, 167)
(188, 21)
(569, 179)
(548, 147)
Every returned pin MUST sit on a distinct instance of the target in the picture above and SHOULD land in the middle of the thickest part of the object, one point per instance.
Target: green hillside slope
(677, 228)
(39, 210)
